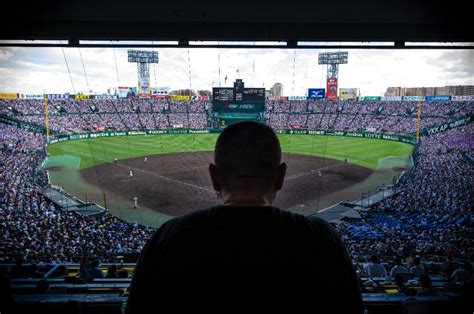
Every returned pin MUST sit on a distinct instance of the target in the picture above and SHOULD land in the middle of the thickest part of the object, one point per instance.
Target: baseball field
(112, 171)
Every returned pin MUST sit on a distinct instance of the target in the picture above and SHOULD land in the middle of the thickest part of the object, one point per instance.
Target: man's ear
(213, 172)
(280, 176)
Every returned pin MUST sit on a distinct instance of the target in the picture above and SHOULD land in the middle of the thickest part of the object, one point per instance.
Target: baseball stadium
(95, 169)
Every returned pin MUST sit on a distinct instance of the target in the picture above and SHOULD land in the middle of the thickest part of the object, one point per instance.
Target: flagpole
(253, 79)
(219, 63)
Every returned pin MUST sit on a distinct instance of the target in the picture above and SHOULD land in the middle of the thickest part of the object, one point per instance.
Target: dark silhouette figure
(111, 272)
(245, 254)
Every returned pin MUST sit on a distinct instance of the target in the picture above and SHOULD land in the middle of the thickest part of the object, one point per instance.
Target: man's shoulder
(246, 217)
(269, 213)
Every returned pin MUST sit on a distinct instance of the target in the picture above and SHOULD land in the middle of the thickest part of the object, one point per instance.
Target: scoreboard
(238, 93)
(223, 94)
(234, 104)
(227, 94)
(254, 94)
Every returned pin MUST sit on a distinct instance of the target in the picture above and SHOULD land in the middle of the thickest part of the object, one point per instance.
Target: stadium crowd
(37, 230)
(430, 215)
(75, 116)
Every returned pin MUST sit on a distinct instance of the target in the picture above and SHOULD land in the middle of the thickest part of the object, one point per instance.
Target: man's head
(247, 161)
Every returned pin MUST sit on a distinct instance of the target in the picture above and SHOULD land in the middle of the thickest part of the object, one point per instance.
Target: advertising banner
(62, 138)
(348, 93)
(199, 97)
(365, 134)
(297, 97)
(462, 98)
(8, 95)
(82, 96)
(392, 98)
(279, 98)
(370, 98)
(447, 126)
(160, 96)
(127, 92)
(31, 96)
(316, 93)
(438, 98)
(144, 87)
(103, 96)
(159, 91)
(413, 98)
(57, 96)
(179, 97)
(331, 87)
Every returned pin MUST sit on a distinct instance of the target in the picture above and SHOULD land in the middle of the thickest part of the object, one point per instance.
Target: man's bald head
(247, 154)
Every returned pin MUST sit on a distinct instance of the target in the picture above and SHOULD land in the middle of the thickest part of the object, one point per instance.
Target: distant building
(183, 92)
(277, 89)
(205, 93)
(268, 93)
(429, 91)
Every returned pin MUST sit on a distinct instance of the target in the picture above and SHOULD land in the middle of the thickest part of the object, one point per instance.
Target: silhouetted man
(245, 254)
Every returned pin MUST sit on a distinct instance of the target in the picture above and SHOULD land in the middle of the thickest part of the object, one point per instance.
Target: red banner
(331, 88)
(160, 96)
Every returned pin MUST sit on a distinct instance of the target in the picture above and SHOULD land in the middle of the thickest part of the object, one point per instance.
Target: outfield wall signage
(348, 93)
(370, 98)
(438, 98)
(82, 96)
(8, 95)
(297, 98)
(127, 92)
(279, 98)
(316, 93)
(413, 98)
(57, 96)
(462, 98)
(362, 134)
(199, 97)
(103, 97)
(30, 96)
(392, 98)
(179, 97)
(62, 138)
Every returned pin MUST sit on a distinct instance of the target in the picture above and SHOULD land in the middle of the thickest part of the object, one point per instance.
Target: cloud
(38, 69)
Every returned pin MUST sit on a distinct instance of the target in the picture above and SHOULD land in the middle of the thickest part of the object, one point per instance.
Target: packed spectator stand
(76, 116)
(428, 222)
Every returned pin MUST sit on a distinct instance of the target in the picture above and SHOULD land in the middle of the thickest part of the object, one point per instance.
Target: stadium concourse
(423, 231)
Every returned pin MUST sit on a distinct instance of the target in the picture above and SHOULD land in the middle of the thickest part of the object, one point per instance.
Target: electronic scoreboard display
(254, 94)
(228, 94)
(238, 103)
(223, 94)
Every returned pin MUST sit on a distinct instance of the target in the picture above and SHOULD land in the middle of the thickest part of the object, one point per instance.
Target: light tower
(332, 60)
(143, 59)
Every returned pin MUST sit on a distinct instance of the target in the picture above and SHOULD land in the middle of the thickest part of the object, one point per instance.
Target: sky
(38, 70)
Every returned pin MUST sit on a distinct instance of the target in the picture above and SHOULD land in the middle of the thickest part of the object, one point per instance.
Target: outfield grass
(361, 151)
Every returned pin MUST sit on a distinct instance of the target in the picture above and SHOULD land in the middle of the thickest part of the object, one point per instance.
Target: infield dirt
(178, 183)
